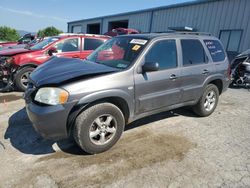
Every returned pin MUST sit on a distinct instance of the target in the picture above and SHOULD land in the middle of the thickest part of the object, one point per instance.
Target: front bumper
(50, 121)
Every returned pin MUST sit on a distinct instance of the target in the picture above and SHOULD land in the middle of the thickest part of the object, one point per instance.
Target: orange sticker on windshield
(136, 47)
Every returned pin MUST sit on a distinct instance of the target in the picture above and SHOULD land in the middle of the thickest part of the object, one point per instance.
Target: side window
(68, 45)
(215, 49)
(92, 44)
(193, 52)
(163, 52)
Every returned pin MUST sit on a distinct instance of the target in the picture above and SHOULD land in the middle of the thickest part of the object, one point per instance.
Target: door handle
(173, 77)
(75, 56)
(205, 72)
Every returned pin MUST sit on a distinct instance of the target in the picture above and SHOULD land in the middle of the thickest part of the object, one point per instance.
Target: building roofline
(194, 2)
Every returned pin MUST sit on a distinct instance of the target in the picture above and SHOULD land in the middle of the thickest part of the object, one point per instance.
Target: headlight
(51, 96)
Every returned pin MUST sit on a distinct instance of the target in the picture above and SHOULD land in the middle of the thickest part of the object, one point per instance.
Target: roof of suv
(150, 36)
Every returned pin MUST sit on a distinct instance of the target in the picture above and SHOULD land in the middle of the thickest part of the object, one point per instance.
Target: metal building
(226, 19)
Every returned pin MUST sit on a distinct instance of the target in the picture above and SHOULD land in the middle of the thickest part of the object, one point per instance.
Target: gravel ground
(171, 149)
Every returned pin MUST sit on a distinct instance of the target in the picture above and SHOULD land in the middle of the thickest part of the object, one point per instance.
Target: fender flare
(30, 64)
(213, 78)
(84, 102)
(108, 94)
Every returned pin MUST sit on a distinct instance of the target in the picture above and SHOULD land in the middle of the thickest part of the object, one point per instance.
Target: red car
(121, 31)
(17, 64)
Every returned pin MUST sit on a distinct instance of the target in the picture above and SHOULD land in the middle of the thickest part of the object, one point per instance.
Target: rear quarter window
(92, 44)
(216, 50)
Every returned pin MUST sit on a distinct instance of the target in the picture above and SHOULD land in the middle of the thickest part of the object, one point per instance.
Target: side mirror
(52, 50)
(150, 66)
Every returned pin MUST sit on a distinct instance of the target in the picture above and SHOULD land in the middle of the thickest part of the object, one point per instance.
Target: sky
(32, 15)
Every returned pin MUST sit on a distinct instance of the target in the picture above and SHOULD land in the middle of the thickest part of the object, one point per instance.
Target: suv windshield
(41, 45)
(118, 52)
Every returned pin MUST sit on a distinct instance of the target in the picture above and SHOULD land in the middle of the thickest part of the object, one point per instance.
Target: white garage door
(77, 29)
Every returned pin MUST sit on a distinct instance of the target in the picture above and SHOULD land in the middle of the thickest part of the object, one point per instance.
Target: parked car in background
(121, 31)
(240, 68)
(25, 39)
(17, 64)
(125, 79)
(28, 45)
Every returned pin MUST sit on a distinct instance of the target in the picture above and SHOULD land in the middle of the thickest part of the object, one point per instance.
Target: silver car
(126, 78)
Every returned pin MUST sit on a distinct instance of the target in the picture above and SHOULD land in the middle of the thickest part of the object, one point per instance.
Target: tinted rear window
(193, 52)
(92, 44)
(215, 49)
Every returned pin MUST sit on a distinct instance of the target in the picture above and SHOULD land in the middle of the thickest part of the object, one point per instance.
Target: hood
(14, 51)
(15, 47)
(8, 43)
(58, 70)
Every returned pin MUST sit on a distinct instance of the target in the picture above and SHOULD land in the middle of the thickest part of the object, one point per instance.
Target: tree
(48, 31)
(8, 34)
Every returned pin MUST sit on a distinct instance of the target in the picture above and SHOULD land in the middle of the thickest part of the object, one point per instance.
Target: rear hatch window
(216, 50)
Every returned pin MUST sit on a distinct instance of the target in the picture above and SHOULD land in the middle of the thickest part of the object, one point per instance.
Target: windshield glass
(118, 52)
(41, 45)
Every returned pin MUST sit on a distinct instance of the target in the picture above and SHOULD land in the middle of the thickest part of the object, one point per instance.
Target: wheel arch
(34, 65)
(218, 83)
(217, 80)
(118, 101)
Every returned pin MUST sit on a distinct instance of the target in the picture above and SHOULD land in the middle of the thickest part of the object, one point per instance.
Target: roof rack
(192, 33)
(181, 32)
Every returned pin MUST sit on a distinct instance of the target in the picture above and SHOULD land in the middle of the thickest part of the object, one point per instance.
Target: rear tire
(21, 78)
(208, 101)
(99, 127)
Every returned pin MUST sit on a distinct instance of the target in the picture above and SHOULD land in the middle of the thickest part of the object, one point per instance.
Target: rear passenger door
(154, 90)
(195, 69)
(89, 45)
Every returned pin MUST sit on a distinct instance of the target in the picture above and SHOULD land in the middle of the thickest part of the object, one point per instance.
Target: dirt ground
(171, 149)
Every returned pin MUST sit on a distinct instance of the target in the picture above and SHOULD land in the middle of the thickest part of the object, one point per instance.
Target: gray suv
(127, 78)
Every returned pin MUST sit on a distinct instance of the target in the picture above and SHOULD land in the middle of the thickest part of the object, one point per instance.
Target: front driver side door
(158, 89)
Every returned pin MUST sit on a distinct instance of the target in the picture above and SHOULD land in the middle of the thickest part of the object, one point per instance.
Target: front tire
(21, 78)
(208, 101)
(99, 127)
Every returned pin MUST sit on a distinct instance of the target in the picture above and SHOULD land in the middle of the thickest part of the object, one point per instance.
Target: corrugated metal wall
(139, 21)
(83, 24)
(210, 17)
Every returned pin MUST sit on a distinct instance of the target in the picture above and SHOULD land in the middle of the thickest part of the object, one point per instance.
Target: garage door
(77, 29)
